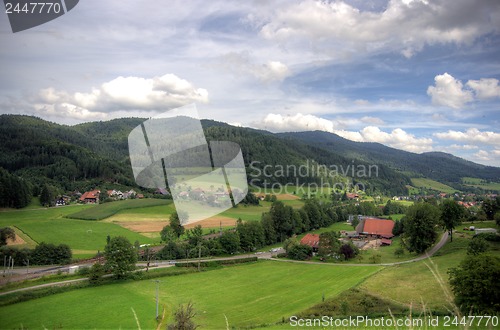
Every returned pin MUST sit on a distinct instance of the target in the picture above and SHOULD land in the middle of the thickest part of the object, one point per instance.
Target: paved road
(263, 255)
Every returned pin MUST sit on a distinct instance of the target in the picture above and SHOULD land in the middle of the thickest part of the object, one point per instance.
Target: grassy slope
(247, 295)
(431, 184)
(105, 210)
(479, 183)
(414, 283)
(49, 225)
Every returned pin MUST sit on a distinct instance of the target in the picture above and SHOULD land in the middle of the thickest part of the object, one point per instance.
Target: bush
(96, 273)
(300, 252)
(348, 250)
(475, 284)
(477, 245)
(50, 254)
(489, 237)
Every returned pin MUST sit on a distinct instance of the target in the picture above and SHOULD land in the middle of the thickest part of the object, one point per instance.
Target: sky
(417, 75)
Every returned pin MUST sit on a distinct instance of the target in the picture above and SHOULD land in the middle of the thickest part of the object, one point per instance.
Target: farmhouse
(90, 197)
(312, 240)
(374, 227)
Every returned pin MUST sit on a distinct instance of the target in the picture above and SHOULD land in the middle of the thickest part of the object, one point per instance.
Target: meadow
(415, 284)
(105, 210)
(480, 183)
(51, 226)
(425, 183)
(246, 295)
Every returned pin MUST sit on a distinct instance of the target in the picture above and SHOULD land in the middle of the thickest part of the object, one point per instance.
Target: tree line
(277, 225)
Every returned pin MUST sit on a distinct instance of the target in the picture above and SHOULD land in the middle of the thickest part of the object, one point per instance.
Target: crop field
(105, 210)
(431, 184)
(479, 183)
(247, 295)
(50, 225)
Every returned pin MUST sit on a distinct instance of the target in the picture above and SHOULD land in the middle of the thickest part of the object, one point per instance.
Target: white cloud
(485, 88)
(483, 155)
(404, 26)
(449, 92)
(242, 63)
(397, 138)
(471, 135)
(463, 147)
(372, 120)
(295, 123)
(121, 94)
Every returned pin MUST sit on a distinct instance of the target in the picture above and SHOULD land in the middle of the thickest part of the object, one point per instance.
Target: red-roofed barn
(376, 227)
(312, 240)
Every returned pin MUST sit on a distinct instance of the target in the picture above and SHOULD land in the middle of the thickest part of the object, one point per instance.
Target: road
(263, 255)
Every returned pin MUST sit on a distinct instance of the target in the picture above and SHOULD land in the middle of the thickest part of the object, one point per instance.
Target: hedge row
(216, 263)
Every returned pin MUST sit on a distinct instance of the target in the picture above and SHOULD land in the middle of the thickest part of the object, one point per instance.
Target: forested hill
(438, 166)
(91, 155)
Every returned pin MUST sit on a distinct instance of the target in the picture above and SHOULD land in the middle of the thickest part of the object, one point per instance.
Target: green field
(480, 183)
(425, 183)
(415, 284)
(105, 210)
(50, 225)
(247, 295)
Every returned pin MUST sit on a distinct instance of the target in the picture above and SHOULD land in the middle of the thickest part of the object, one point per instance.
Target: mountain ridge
(90, 154)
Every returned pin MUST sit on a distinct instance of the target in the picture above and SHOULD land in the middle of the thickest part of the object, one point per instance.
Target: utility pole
(199, 255)
(157, 294)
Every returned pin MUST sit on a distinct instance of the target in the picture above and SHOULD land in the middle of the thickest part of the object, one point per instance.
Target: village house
(90, 197)
(312, 240)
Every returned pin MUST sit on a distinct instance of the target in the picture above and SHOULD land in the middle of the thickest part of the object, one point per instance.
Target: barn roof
(310, 239)
(379, 227)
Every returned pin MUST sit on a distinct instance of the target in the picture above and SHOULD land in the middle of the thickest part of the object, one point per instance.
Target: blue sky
(417, 75)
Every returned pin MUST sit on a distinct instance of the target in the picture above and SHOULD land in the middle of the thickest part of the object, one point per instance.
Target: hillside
(93, 154)
(438, 166)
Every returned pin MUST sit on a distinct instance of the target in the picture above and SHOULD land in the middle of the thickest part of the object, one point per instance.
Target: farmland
(251, 294)
(425, 183)
(50, 226)
(102, 211)
(479, 183)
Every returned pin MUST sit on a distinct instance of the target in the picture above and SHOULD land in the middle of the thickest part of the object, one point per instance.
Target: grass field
(50, 225)
(415, 284)
(105, 210)
(480, 183)
(248, 295)
(433, 185)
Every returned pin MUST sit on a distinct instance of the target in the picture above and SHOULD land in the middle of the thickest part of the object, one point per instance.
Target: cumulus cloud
(397, 138)
(121, 94)
(483, 155)
(463, 147)
(471, 135)
(295, 123)
(404, 26)
(485, 88)
(242, 63)
(449, 92)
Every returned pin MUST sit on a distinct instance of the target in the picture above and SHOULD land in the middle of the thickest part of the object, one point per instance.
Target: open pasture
(105, 210)
(247, 295)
